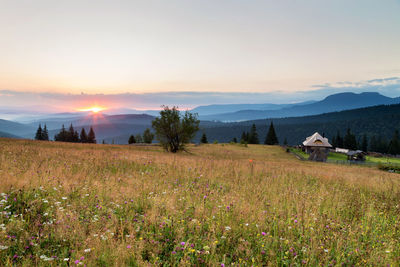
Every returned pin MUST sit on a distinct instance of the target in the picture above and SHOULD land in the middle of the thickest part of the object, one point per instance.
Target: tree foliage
(131, 140)
(253, 135)
(174, 130)
(148, 136)
(203, 139)
(271, 138)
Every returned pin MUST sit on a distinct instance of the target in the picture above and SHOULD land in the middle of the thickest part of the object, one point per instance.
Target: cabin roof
(316, 140)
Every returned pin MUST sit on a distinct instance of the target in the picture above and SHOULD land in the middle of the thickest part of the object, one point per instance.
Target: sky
(272, 51)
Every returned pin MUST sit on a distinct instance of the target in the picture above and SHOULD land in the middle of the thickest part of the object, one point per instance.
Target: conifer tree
(285, 143)
(253, 135)
(364, 143)
(203, 139)
(333, 142)
(349, 140)
(271, 138)
(243, 139)
(394, 146)
(234, 140)
(91, 136)
(45, 133)
(39, 133)
(148, 136)
(83, 136)
(339, 140)
(131, 139)
(62, 135)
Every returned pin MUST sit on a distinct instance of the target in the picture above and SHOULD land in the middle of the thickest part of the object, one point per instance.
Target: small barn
(356, 155)
(317, 146)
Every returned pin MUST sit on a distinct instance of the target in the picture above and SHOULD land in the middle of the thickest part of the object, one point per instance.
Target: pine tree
(285, 143)
(45, 133)
(373, 144)
(253, 136)
(349, 140)
(339, 140)
(203, 139)
(234, 140)
(91, 136)
(38, 135)
(333, 142)
(394, 145)
(271, 138)
(83, 136)
(243, 139)
(131, 139)
(62, 135)
(364, 143)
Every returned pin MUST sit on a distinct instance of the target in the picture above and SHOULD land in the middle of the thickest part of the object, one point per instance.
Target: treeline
(42, 134)
(251, 137)
(376, 143)
(147, 137)
(70, 135)
(377, 123)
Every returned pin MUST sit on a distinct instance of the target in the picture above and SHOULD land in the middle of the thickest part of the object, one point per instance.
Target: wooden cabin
(317, 146)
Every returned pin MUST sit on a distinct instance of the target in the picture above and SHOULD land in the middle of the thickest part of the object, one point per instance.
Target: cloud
(58, 102)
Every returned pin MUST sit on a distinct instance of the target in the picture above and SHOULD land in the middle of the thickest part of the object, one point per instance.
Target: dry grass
(229, 204)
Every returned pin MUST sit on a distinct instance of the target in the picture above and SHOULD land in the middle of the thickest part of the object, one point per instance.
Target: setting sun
(94, 109)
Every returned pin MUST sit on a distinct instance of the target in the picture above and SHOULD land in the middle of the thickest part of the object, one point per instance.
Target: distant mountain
(15, 128)
(380, 120)
(228, 108)
(336, 102)
(7, 135)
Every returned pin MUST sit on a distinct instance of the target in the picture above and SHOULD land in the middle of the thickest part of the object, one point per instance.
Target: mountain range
(336, 102)
(293, 120)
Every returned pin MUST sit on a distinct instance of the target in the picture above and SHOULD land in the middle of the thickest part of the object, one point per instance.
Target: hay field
(104, 205)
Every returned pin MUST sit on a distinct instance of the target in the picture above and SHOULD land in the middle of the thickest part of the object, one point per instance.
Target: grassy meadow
(106, 205)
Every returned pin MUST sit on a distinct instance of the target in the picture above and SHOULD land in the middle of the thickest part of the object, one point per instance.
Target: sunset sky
(146, 47)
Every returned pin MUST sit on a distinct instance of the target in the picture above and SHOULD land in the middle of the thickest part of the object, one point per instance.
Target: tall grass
(81, 204)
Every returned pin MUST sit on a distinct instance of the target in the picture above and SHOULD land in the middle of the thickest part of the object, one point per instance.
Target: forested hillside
(378, 121)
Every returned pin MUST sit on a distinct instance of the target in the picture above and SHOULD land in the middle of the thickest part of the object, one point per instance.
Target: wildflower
(66, 259)
(295, 221)
(222, 265)
(183, 243)
(64, 198)
(173, 252)
(263, 233)
(87, 250)
(128, 246)
(77, 261)
(3, 247)
(227, 228)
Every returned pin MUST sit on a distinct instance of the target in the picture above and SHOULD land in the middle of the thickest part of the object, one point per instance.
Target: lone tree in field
(148, 136)
(203, 139)
(174, 130)
(271, 138)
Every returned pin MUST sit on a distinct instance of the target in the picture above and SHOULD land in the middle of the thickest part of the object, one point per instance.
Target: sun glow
(94, 109)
